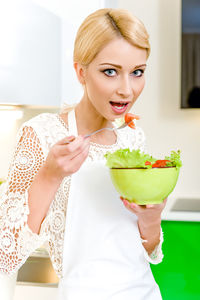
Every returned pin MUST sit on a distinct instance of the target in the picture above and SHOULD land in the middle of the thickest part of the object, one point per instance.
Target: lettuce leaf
(175, 159)
(124, 158)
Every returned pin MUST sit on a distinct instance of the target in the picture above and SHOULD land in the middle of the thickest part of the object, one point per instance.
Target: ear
(80, 72)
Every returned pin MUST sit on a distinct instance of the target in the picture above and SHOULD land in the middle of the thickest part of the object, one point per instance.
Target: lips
(119, 107)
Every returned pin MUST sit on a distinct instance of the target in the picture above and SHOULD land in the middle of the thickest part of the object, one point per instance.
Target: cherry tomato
(160, 163)
(128, 118)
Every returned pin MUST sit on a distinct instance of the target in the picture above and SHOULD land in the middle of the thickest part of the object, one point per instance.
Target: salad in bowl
(141, 178)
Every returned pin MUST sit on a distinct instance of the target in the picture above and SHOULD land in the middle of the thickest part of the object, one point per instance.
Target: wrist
(149, 224)
(51, 178)
(149, 231)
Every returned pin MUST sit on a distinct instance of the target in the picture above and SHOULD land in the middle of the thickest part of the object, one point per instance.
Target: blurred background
(36, 75)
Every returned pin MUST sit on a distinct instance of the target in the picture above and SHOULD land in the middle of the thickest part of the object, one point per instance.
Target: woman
(58, 190)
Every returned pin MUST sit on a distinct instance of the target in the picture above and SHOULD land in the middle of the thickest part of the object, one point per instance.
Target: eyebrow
(120, 67)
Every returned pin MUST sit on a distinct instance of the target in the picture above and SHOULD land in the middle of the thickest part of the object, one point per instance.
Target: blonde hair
(104, 25)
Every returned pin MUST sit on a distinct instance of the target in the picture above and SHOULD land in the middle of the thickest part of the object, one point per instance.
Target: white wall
(167, 126)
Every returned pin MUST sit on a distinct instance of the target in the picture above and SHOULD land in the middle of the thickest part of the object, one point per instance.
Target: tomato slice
(130, 117)
(160, 163)
(147, 163)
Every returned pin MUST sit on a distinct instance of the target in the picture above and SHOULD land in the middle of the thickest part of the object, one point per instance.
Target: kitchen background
(45, 84)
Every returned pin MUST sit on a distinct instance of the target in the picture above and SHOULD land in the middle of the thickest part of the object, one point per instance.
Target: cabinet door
(23, 292)
(7, 286)
(30, 54)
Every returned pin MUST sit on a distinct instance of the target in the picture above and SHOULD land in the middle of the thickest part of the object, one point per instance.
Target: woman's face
(115, 78)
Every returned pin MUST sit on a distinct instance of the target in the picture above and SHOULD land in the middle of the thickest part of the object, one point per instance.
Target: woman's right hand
(65, 159)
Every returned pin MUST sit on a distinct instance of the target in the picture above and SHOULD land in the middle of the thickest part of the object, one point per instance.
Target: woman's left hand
(149, 220)
(146, 213)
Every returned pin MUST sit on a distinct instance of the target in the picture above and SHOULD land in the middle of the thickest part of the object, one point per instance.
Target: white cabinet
(30, 54)
(9, 290)
(7, 287)
(23, 292)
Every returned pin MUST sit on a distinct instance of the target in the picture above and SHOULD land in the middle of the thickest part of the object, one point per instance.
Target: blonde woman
(60, 194)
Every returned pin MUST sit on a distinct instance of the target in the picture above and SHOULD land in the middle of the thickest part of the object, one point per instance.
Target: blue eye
(138, 73)
(110, 72)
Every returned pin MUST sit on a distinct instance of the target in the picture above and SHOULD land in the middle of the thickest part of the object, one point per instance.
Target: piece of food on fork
(128, 119)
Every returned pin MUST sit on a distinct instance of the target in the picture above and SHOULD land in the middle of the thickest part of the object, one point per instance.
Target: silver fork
(105, 128)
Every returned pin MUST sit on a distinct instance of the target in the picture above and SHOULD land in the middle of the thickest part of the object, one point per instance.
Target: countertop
(182, 209)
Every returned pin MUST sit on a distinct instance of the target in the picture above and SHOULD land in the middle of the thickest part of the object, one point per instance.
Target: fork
(105, 128)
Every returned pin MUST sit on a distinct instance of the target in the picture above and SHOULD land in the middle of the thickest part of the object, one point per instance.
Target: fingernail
(71, 138)
(126, 203)
(149, 206)
(133, 205)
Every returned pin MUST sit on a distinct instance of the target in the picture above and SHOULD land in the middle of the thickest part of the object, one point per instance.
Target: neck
(89, 120)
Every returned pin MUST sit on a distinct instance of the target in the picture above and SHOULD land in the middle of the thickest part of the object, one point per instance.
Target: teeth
(118, 103)
(119, 107)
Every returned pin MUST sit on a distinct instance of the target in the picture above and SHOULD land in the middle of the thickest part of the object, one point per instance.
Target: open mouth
(119, 106)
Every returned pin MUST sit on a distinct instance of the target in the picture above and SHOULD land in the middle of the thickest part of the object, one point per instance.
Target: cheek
(140, 87)
(98, 87)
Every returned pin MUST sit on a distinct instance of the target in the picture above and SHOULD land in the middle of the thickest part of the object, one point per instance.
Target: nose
(124, 89)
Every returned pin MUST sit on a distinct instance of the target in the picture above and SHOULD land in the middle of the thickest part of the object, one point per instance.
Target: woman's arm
(149, 222)
(17, 241)
(62, 160)
(150, 233)
(28, 192)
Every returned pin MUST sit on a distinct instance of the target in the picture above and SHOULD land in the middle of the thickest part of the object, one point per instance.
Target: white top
(34, 140)
(103, 254)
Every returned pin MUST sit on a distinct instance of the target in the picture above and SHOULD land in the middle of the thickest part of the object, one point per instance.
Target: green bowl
(145, 186)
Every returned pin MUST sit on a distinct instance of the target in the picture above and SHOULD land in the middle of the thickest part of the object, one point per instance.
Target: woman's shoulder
(41, 119)
(47, 127)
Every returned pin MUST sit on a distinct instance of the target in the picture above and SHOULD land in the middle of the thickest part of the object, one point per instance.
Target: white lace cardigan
(34, 140)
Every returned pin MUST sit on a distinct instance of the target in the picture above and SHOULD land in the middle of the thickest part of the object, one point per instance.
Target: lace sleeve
(156, 256)
(17, 241)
